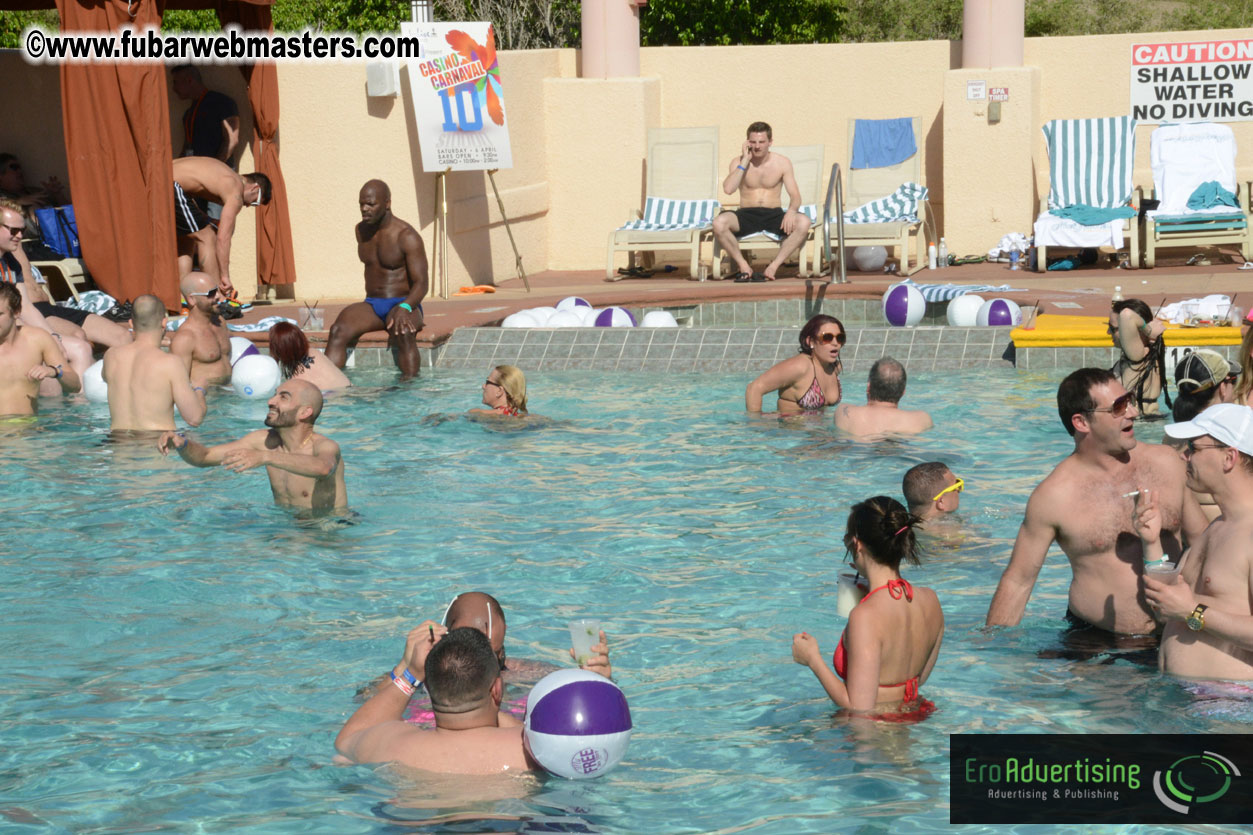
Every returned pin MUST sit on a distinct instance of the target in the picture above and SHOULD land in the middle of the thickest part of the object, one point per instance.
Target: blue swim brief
(384, 306)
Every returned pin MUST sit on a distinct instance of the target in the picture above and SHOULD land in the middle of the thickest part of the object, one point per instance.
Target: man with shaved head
(305, 468)
(395, 283)
(202, 341)
(145, 382)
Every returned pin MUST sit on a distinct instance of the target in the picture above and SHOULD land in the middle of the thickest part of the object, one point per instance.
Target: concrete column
(992, 33)
(611, 39)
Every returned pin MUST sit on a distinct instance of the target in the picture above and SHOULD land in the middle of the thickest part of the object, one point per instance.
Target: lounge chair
(884, 204)
(72, 272)
(1090, 167)
(807, 163)
(680, 199)
(1189, 162)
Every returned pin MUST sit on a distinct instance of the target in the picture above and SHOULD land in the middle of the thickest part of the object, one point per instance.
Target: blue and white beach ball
(659, 319)
(240, 348)
(578, 724)
(903, 305)
(963, 311)
(255, 377)
(571, 302)
(615, 317)
(94, 386)
(999, 313)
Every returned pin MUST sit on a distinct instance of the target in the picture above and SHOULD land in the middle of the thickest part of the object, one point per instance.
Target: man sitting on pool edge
(462, 675)
(1083, 506)
(305, 468)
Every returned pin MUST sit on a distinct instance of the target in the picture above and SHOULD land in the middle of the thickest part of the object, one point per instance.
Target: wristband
(401, 684)
(185, 440)
(406, 306)
(742, 168)
(198, 388)
(409, 677)
(60, 371)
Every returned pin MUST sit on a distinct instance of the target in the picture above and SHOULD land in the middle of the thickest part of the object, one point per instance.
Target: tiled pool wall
(748, 337)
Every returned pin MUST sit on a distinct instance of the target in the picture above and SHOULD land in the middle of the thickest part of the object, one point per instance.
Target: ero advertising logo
(1194, 779)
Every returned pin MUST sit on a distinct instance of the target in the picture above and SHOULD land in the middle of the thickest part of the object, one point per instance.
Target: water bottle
(1014, 255)
(931, 256)
(943, 254)
(1117, 297)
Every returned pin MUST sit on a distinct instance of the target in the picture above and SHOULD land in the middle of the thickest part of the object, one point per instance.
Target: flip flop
(742, 278)
(759, 278)
(634, 272)
(1247, 265)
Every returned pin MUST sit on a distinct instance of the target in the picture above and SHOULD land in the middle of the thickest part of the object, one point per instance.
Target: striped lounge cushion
(1091, 161)
(901, 206)
(662, 214)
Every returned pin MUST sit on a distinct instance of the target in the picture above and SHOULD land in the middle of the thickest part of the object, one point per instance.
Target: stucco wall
(579, 145)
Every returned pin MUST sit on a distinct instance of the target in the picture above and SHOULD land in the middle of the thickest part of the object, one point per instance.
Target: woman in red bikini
(809, 381)
(893, 635)
(504, 393)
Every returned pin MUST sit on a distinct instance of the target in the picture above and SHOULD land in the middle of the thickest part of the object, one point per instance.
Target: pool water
(179, 654)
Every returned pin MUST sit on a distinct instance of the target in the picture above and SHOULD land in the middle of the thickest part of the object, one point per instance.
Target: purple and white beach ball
(578, 724)
(903, 305)
(571, 302)
(963, 311)
(999, 313)
(615, 317)
(241, 347)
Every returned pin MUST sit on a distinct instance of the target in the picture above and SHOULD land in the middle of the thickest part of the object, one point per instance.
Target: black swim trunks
(756, 219)
(189, 216)
(69, 314)
(1081, 641)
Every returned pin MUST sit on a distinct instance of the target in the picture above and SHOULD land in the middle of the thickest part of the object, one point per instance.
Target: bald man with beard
(145, 383)
(306, 470)
(395, 283)
(202, 341)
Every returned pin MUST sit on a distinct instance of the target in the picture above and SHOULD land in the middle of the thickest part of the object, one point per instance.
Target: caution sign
(1208, 81)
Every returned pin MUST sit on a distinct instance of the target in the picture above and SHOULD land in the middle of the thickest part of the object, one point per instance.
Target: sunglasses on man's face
(1118, 408)
(958, 486)
(14, 230)
(1193, 446)
(828, 337)
(208, 295)
(13, 166)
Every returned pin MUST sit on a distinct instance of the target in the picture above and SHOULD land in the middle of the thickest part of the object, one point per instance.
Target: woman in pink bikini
(893, 635)
(809, 381)
(504, 393)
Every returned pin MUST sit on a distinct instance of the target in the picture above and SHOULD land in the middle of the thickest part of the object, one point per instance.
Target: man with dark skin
(395, 283)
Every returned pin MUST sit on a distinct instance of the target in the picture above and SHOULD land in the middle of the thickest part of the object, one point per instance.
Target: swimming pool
(179, 654)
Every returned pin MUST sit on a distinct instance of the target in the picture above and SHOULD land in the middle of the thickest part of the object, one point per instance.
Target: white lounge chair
(680, 201)
(1185, 157)
(878, 210)
(807, 161)
(1090, 166)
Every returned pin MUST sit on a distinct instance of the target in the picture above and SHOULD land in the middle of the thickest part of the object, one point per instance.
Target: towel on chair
(1092, 215)
(1210, 194)
(878, 143)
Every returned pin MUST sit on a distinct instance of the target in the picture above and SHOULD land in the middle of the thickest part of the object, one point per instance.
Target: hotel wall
(579, 144)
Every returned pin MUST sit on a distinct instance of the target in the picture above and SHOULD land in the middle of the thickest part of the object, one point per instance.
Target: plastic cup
(1165, 572)
(311, 319)
(584, 634)
(850, 589)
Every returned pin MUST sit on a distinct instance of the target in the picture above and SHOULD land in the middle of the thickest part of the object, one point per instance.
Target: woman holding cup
(893, 635)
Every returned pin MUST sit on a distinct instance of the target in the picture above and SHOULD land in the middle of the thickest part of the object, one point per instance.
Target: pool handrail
(835, 188)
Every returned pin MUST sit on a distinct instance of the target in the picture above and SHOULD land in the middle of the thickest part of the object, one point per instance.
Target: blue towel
(1092, 215)
(878, 143)
(1210, 194)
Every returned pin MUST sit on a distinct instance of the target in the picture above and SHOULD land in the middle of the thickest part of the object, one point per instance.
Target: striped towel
(901, 206)
(809, 210)
(662, 214)
(948, 292)
(1091, 161)
(251, 327)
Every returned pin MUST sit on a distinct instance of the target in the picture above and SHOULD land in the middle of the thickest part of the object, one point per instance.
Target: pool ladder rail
(835, 189)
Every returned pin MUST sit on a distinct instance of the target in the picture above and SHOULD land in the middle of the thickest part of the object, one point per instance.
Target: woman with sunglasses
(893, 635)
(1142, 366)
(809, 381)
(504, 393)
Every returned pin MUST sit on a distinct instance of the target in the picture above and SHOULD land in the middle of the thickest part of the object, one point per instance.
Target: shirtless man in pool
(27, 356)
(760, 175)
(305, 468)
(1083, 507)
(395, 283)
(202, 341)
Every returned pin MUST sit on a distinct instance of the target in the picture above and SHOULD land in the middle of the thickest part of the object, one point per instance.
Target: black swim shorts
(69, 314)
(1081, 641)
(189, 216)
(756, 219)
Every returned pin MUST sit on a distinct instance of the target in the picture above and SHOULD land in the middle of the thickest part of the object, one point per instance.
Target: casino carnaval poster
(458, 98)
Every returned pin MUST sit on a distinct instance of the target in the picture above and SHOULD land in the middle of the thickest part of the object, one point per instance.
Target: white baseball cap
(1226, 423)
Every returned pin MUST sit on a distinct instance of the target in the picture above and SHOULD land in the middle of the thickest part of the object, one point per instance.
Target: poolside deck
(1082, 291)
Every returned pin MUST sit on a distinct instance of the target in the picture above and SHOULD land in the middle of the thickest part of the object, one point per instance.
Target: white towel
(1185, 156)
(1210, 307)
(1051, 230)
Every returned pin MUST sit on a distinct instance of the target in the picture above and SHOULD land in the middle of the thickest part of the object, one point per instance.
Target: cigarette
(432, 628)
(1131, 495)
